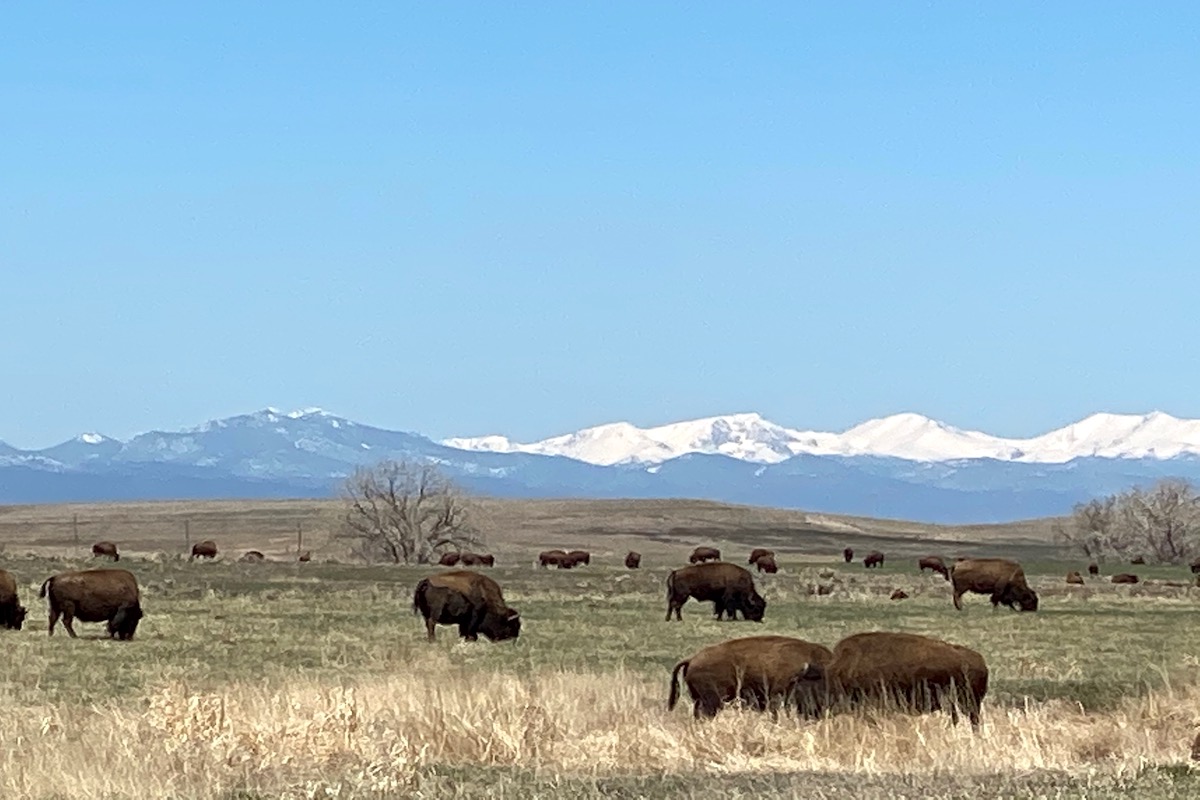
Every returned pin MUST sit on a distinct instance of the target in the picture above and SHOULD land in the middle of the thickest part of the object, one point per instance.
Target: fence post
(299, 537)
(187, 535)
(75, 527)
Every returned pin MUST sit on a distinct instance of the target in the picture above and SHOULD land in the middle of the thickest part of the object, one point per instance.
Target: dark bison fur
(105, 549)
(728, 586)
(758, 553)
(633, 560)
(12, 613)
(761, 671)
(767, 564)
(848, 554)
(934, 563)
(95, 595)
(873, 559)
(449, 559)
(1124, 577)
(205, 549)
(472, 601)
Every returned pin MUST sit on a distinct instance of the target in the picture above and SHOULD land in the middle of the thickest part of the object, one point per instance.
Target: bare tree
(1161, 523)
(404, 512)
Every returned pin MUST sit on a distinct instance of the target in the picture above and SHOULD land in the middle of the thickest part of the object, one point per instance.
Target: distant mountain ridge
(904, 466)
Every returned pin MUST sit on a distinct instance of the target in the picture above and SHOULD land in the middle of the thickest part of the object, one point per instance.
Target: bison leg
(53, 619)
(67, 618)
(958, 599)
(706, 706)
(469, 629)
(675, 606)
(432, 614)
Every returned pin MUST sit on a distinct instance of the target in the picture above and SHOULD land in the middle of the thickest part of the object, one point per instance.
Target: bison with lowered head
(579, 557)
(1094, 569)
(934, 563)
(1002, 578)
(873, 559)
(758, 553)
(467, 599)
(105, 549)
(205, 549)
(730, 587)
(548, 558)
(918, 673)
(477, 560)
(848, 554)
(758, 670)
(633, 560)
(95, 595)
(12, 613)
(767, 564)
(702, 554)
(1074, 578)
(252, 557)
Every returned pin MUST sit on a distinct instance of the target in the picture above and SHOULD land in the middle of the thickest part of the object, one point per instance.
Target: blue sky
(529, 218)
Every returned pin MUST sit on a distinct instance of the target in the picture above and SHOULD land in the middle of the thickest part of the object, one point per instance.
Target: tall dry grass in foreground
(373, 737)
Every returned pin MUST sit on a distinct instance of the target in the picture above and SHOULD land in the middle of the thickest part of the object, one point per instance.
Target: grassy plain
(288, 680)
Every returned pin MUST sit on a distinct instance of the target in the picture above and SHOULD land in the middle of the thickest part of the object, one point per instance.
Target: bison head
(498, 627)
(15, 619)
(125, 622)
(1021, 598)
(754, 607)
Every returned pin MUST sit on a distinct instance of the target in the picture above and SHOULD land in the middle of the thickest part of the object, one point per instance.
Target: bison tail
(45, 584)
(422, 587)
(673, 698)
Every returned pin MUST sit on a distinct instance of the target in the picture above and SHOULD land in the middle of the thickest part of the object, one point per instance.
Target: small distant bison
(633, 560)
(934, 563)
(1094, 569)
(728, 586)
(305, 557)
(252, 557)
(848, 554)
(548, 558)
(472, 601)
(205, 549)
(579, 557)
(1002, 578)
(449, 559)
(106, 550)
(899, 594)
(12, 613)
(702, 554)
(767, 564)
(761, 671)
(920, 673)
(1074, 578)
(758, 553)
(477, 560)
(1137, 560)
(873, 559)
(1124, 577)
(1195, 565)
(95, 595)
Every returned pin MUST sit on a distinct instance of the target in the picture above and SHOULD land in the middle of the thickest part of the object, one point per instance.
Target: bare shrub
(1160, 524)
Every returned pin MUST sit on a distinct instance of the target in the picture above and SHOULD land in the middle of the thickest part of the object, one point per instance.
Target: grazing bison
(472, 601)
(106, 549)
(759, 670)
(767, 564)
(919, 673)
(205, 549)
(477, 560)
(252, 557)
(702, 554)
(580, 557)
(1074, 578)
(848, 554)
(873, 559)
(449, 559)
(1137, 560)
(934, 563)
(305, 557)
(95, 595)
(1195, 565)
(633, 560)
(1002, 578)
(730, 587)
(758, 553)
(1124, 577)
(899, 594)
(1094, 569)
(552, 558)
(12, 613)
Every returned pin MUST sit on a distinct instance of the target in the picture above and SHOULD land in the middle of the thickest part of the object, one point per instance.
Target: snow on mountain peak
(91, 438)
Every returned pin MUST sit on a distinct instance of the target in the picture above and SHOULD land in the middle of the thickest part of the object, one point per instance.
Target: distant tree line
(1160, 524)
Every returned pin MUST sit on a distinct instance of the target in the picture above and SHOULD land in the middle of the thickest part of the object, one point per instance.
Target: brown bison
(95, 595)
(633, 560)
(305, 557)
(472, 601)
(1137, 560)
(702, 554)
(767, 564)
(934, 563)
(205, 549)
(761, 671)
(551, 558)
(848, 554)
(106, 549)
(449, 560)
(730, 587)
(1074, 578)
(1124, 577)
(919, 673)
(1195, 565)
(1094, 569)
(252, 557)
(477, 560)
(899, 594)
(580, 557)
(12, 613)
(873, 559)
(758, 553)
(1002, 578)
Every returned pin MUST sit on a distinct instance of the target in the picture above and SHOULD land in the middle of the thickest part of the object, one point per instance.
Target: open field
(285, 680)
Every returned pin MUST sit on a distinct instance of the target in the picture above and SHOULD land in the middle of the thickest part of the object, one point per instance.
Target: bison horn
(512, 614)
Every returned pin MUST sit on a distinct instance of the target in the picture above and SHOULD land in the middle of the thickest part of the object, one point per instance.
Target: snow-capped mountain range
(903, 466)
(750, 437)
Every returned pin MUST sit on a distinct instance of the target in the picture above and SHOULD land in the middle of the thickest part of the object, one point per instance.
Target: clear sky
(474, 218)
